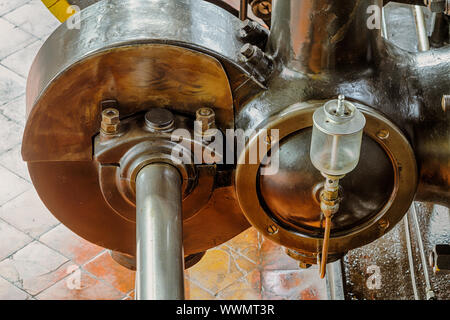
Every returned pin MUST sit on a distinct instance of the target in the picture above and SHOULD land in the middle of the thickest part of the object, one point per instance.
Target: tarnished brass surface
(121, 157)
(62, 122)
(71, 192)
(61, 125)
(301, 237)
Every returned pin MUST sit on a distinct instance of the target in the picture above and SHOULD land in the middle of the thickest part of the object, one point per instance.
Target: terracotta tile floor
(42, 259)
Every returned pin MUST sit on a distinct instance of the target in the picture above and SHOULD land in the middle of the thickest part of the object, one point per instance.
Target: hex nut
(110, 121)
(248, 50)
(206, 117)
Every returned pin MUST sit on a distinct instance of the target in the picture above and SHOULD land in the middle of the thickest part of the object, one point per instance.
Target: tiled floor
(42, 259)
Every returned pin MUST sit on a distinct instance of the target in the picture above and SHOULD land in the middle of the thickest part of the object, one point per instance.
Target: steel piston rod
(159, 234)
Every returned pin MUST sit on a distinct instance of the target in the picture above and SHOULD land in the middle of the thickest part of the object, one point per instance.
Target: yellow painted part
(60, 9)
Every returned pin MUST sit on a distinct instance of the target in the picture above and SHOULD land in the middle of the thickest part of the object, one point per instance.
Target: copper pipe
(326, 241)
(243, 10)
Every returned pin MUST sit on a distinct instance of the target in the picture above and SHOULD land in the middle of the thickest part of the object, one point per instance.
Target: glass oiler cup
(335, 149)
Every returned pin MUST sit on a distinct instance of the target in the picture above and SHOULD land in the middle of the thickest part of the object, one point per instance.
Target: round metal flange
(121, 157)
(306, 238)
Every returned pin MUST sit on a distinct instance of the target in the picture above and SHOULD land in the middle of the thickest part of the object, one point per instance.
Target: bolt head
(272, 229)
(110, 121)
(247, 50)
(206, 117)
(383, 134)
(383, 223)
(110, 116)
(247, 26)
(264, 8)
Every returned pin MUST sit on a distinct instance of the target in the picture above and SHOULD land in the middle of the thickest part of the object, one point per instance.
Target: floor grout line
(8, 12)
(12, 226)
(95, 257)
(15, 52)
(19, 176)
(18, 195)
(11, 100)
(28, 295)
(8, 68)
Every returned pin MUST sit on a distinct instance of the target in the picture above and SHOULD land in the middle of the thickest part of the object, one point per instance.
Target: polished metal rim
(298, 117)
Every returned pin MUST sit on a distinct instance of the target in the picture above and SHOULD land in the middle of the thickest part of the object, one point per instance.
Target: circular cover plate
(267, 203)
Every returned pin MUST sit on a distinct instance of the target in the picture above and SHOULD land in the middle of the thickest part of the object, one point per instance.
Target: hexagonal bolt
(262, 8)
(248, 26)
(260, 63)
(445, 102)
(253, 33)
(206, 118)
(248, 50)
(110, 121)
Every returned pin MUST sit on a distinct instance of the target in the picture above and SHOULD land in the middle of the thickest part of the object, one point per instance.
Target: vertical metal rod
(159, 234)
(384, 29)
(410, 257)
(422, 37)
(429, 290)
(243, 10)
(335, 281)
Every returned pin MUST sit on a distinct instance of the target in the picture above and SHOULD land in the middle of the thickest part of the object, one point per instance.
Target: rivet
(383, 223)
(383, 134)
(272, 229)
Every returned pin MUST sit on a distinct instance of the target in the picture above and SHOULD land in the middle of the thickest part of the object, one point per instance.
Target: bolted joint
(260, 63)
(329, 208)
(253, 33)
(159, 120)
(261, 8)
(110, 121)
(206, 120)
